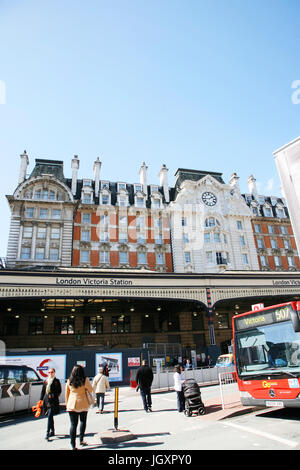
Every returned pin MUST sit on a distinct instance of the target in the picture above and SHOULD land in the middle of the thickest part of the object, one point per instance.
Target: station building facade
(100, 264)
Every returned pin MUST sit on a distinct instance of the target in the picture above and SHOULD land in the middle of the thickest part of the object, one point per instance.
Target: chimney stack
(252, 187)
(23, 167)
(234, 182)
(163, 181)
(97, 167)
(143, 177)
(75, 167)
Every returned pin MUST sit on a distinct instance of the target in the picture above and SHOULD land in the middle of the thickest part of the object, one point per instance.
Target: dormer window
(121, 186)
(138, 188)
(87, 183)
(261, 200)
(280, 212)
(140, 201)
(154, 189)
(268, 212)
(86, 198)
(104, 185)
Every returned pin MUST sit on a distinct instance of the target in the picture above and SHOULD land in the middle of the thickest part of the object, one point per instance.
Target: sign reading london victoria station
(87, 281)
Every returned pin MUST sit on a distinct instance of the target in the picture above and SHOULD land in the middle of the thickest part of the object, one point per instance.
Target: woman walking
(100, 385)
(178, 381)
(77, 403)
(50, 396)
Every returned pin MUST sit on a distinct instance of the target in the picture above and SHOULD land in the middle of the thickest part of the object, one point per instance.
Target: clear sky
(195, 84)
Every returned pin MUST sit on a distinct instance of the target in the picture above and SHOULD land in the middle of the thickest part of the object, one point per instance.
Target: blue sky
(195, 84)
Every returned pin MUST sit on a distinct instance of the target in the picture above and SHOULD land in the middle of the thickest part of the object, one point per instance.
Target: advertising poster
(114, 363)
(41, 364)
(134, 362)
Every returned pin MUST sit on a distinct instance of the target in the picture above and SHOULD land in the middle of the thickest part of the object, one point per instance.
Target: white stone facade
(211, 228)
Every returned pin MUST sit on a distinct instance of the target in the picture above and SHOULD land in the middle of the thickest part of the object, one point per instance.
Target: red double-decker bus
(267, 355)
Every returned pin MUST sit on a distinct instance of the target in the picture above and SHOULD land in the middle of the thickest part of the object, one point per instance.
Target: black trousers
(146, 397)
(74, 416)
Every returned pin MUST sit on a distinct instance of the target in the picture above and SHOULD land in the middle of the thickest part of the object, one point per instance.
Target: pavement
(165, 429)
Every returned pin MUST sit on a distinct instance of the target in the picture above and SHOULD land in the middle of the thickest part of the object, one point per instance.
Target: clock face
(209, 198)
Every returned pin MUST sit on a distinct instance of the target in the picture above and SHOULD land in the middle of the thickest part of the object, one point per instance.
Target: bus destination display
(266, 317)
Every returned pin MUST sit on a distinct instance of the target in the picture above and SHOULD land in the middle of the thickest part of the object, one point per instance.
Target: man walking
(144, 379)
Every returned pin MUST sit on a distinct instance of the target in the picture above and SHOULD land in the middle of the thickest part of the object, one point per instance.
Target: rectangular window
(87, 198)
(222, 320)
(104, 256)
(239, 224)
(93, 325)
(123, 257)
(209, 257)
(260, 243)
(242, 240)
(142, 259)
(186, 238)
(263, 261)
(219, 258)
(64, 325)
(140, 202)
(280, 213)
(291, 261)
(257, 228)
(41, 232)
(43, 213)
(245, 258)
(283, 230)
(25, 252)
(36, 325)
(217, 238)
(277, 261)
(120, 324)
(86, 218)
(274, 243)
(268, 212)
(84, 256)
(29, 212)
(197, 321)
(27, 231)
(105, 199)
(40, 253)
(270, 229)
(55, 233)
(53, 254)
(187, 257)
(56, 213)
(286, 244)
(159, 258)
(85, 235)
(104, 237)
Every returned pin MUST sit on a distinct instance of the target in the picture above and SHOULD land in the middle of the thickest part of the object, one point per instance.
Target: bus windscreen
(265, 346)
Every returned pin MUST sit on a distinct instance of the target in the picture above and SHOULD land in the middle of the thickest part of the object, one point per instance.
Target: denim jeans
(180, 401)
(74, 416)
(100, 400)
(146, 397)
(50, 423)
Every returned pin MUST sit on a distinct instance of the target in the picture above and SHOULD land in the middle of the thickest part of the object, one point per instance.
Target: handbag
(90, 398)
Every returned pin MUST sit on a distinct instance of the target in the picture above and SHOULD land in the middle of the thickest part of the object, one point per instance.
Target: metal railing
(228, 388)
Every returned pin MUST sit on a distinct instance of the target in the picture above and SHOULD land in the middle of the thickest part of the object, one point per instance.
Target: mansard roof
(49, 167)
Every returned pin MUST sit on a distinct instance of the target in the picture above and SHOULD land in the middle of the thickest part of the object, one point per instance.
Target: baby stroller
(192, 397)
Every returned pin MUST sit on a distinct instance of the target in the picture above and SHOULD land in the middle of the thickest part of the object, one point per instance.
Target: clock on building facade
(209, 198)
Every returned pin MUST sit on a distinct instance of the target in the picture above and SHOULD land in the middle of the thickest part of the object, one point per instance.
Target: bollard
(116, 408)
